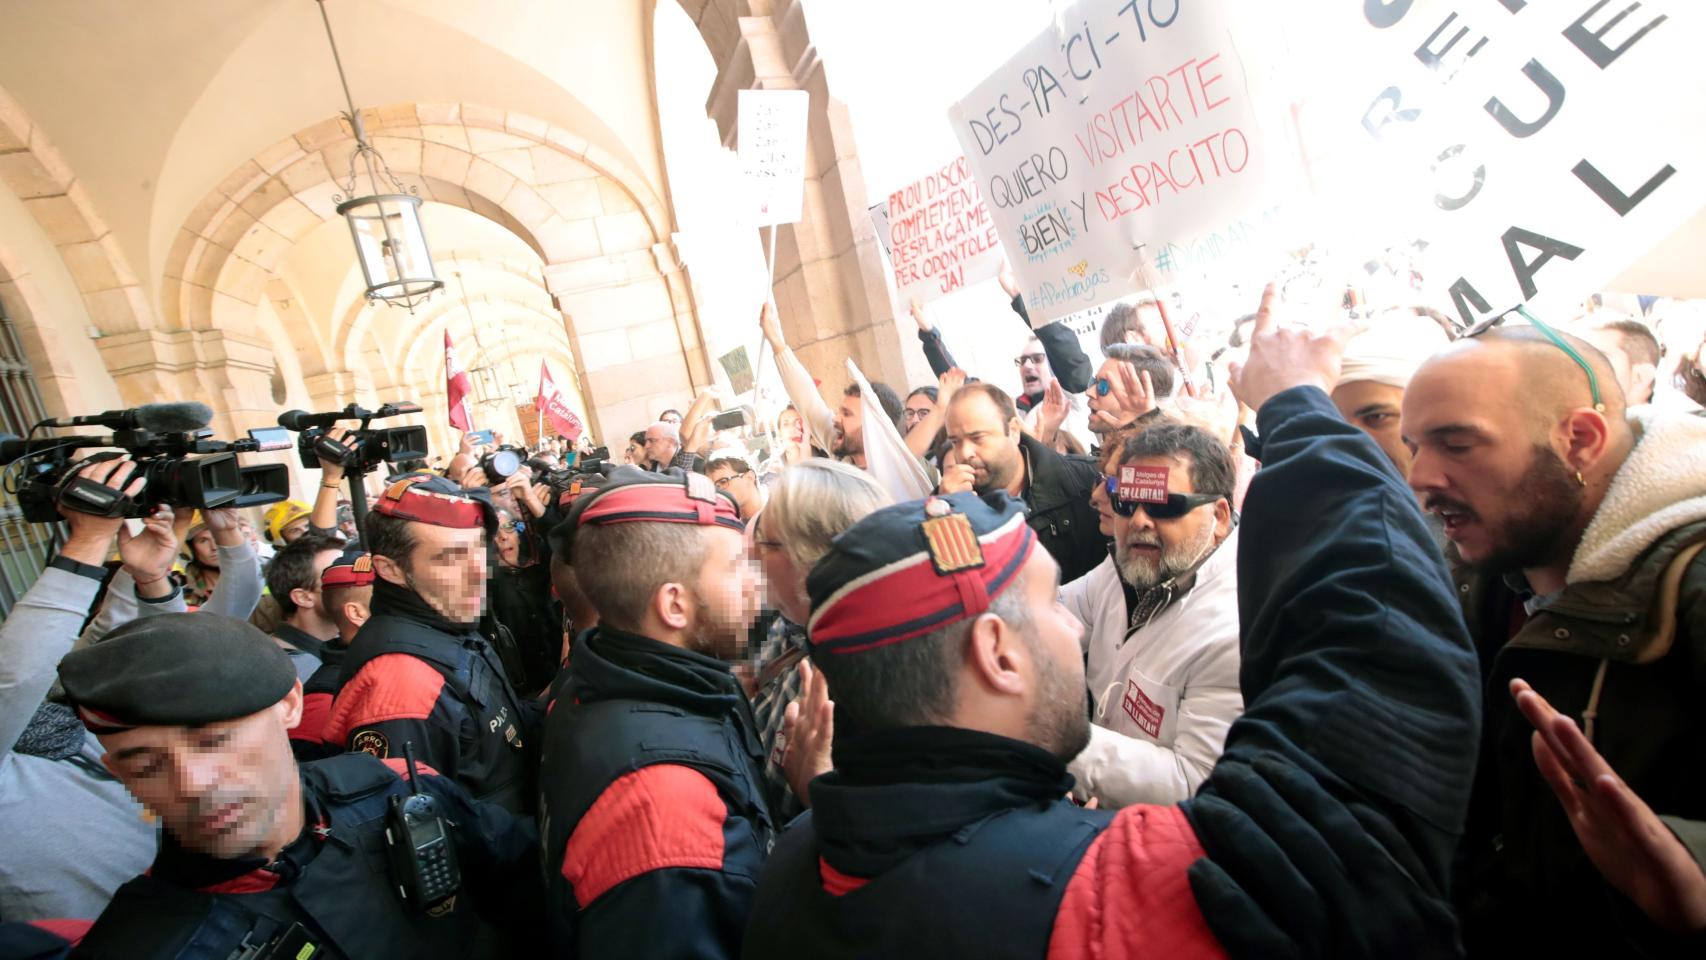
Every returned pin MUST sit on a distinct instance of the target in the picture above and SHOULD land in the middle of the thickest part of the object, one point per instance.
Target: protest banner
(1535, 150)
(1125, 123)
(550, 404)
(941, 236)
(773, 152)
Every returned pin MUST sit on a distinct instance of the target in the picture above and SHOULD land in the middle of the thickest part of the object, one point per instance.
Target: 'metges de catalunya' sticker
(1143, 484)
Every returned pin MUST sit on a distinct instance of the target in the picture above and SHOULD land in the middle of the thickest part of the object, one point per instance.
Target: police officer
(654, 814)
(259, 854)
(1327, 827)
(420, 670)
(346, 590)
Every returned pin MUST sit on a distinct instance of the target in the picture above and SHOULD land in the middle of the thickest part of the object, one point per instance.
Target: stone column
(830, 285)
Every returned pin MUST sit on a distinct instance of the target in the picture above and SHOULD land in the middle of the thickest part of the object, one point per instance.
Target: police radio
(422, 852)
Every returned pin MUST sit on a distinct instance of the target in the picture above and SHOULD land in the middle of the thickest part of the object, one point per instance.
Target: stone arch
(517, 171)
(594, 221)
(40, 177)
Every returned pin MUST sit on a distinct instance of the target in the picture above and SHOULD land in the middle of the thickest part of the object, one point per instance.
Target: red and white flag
(457, 389)
(550, 403)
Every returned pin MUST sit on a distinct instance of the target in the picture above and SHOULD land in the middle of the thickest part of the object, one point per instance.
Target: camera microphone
(152, 417)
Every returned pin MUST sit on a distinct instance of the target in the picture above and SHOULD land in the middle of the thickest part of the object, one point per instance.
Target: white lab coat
(1163, 697)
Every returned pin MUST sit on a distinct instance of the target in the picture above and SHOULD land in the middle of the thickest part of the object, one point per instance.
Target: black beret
(175, 670)
(913, 568)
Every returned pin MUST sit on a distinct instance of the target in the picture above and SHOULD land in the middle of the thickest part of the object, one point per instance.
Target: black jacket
(410, 676)
(1066, 358)
(334, 881)
(648, 740)
(1057, 505)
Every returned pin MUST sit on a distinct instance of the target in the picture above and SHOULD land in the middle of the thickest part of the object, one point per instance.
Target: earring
(1580, 479)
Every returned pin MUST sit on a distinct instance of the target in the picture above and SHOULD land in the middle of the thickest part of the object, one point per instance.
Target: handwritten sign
(1128, 122)
(1537, 149)
(941, 236)
(773, 152)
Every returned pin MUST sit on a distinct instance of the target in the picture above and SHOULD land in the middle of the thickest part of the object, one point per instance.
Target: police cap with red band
(175, 670)
(354, 568)
(633, 495)
(916, 567)
(427, 498)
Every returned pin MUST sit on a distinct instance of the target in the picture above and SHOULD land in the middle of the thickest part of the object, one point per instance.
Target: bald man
(1578, 532)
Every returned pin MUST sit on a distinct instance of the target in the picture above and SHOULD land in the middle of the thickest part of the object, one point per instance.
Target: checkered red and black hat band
(910, 598)
(406, 500)
(658, 503)
(359, 573)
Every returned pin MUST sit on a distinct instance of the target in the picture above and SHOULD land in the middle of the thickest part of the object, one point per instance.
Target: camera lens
(501, 464)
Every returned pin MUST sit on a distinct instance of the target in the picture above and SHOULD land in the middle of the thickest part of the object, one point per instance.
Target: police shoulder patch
(371, 741)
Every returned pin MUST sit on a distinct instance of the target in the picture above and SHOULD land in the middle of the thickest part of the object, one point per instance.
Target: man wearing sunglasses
(1578, 530)
(1162, 616)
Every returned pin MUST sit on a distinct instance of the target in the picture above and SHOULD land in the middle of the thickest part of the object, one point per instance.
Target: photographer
(325, 519)
(69, 833)
(236, 592)
(521, 600)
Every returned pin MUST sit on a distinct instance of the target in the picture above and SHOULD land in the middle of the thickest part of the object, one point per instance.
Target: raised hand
(1625, 839)
(1051, 413)
(1285, 357)
(808, 729)
(148, 556)
(917, 310)
(90, 537)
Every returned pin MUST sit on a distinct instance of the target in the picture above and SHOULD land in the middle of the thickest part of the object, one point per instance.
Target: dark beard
(1541, 531)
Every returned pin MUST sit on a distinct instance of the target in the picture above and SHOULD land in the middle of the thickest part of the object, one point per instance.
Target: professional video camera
(371, 447)
(178, 463)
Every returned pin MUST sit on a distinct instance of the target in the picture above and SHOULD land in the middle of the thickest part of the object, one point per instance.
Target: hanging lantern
(385, 224)
(392, 247)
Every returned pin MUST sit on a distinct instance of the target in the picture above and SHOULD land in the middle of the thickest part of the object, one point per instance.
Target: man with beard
(261, 857)
(419, 671)
(1326, 828)
(992, 453)
(1578, 530)
(1162, 612)
(840, 431)
(655, 809)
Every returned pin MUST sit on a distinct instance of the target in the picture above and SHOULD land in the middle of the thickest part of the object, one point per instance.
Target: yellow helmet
(283, 514)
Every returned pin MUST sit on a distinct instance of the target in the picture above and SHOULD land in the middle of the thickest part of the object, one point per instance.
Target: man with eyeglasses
(1579, 534)
(734, 477)
(1162, 616)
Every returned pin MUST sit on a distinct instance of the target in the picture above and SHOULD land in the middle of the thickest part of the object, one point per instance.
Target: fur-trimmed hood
(1660, 487)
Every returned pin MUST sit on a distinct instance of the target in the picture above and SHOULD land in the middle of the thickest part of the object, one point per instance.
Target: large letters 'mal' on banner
(940, 234)
(1127, 123)
(772, 135)
(1536, 149)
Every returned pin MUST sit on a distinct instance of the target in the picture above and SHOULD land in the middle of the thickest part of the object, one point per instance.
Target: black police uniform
(627, 703)
(463, 717)
(332, 888)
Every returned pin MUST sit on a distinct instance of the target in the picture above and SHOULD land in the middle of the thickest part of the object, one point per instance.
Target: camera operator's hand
(225, 526)
(91, 536)
(332, 472)
(474, 478)
(148, 556)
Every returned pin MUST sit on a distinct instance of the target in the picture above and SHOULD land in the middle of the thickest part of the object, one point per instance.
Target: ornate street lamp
(385, 224)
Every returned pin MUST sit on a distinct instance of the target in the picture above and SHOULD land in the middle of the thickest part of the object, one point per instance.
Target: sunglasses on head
(1550, 334)
(1176, 505)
